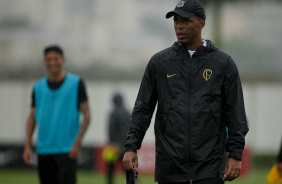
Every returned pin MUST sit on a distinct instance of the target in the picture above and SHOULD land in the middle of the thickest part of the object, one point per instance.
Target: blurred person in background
(57, 102)
(117, 133)
(197, 89)
(279, 158)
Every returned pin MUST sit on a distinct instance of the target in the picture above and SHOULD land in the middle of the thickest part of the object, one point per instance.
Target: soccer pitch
(16, 176)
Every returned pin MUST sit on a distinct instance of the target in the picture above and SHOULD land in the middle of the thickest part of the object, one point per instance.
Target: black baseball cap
(188, 9)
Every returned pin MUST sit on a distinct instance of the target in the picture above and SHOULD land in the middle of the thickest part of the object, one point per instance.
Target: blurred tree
(217, 26)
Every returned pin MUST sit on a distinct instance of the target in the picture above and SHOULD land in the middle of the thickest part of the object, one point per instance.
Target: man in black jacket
(198, 91)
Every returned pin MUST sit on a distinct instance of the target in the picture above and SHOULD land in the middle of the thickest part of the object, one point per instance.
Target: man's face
(188, 29)
(54, 62)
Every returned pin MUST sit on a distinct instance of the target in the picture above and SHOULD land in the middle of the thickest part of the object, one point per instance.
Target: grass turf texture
(15, 176)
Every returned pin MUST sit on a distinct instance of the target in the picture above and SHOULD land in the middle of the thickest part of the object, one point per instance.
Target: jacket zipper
(189, 119)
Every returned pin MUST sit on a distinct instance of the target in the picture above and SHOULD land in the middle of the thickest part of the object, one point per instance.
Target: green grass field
(13, 176)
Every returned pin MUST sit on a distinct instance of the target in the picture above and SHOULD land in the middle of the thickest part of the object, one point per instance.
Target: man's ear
(64, 60)
(202, 23)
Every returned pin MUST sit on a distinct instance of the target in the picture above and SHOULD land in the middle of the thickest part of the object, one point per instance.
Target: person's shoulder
(215, 53)
(219, 55)
(222, 57)
(40, 81)
(223, 54)
(163, 55)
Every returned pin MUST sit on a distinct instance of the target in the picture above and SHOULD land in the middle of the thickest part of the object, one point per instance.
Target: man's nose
(179, 25)
(52, 61)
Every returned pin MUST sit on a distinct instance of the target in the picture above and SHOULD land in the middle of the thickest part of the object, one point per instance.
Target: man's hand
(130, 161)
(27, 156)
(232, 169)
(74, 151)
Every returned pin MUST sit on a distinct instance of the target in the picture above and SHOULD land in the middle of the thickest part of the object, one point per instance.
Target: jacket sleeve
(143, 109)
(234, 111)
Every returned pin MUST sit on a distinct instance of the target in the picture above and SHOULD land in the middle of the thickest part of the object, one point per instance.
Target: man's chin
(182, 41)
(53, 73)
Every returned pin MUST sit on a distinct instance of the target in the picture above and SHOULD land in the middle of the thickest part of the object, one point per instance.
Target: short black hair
(54, 48)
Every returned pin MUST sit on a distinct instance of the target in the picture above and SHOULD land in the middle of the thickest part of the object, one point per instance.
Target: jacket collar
(181, 49)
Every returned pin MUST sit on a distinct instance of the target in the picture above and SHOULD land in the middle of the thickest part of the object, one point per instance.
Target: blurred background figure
(57, 101)
(117, 132)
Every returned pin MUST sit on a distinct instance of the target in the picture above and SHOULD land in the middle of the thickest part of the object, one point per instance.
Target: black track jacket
(197, 97)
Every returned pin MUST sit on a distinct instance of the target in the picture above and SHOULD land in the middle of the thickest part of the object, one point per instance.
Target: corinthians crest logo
(207, 74)
(181, 4)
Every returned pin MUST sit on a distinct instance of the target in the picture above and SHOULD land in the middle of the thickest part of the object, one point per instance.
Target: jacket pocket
(216, 112)
(165, 111)
(217, 115)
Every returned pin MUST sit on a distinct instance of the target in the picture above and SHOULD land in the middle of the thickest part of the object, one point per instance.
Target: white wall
(263, 106)
(262, 100)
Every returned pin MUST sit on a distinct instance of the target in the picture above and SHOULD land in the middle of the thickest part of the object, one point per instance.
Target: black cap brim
(181, 13)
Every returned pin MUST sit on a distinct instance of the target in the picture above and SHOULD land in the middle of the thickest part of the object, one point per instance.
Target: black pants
(56, 169)
(110, 172)
(202, 181)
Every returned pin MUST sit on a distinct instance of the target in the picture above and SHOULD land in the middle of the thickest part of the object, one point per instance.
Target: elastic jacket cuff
(131, 149)
(236, 155)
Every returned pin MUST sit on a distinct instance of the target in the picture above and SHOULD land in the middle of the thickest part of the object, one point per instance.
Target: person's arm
(30, 126)
(141, 117)
(235, 119)
(84, 107)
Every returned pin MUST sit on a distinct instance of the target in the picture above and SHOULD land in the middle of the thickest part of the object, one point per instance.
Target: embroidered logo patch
(181, 4)
(207, 74)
